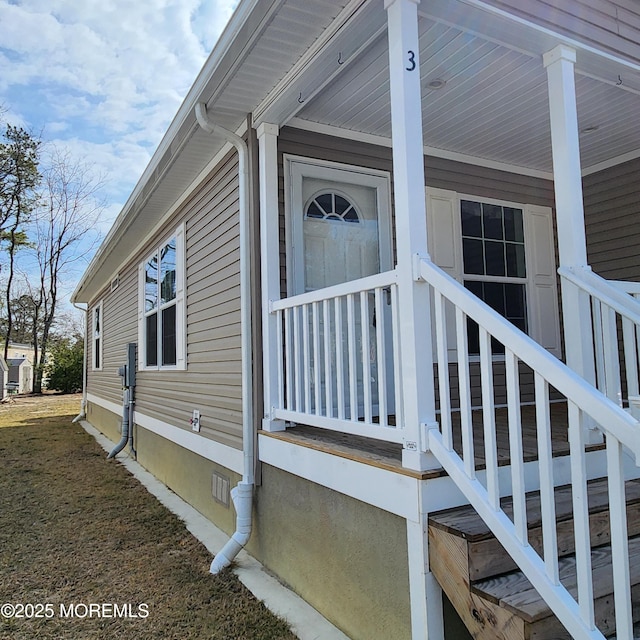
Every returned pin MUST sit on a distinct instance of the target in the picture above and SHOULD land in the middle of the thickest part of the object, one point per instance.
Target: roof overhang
(333, 76)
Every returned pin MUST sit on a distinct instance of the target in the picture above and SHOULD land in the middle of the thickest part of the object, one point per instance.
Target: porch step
(514, 593)
(495, 600)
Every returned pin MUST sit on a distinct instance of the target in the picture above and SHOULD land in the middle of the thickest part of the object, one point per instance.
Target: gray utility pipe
(242, 494)
(126, 424)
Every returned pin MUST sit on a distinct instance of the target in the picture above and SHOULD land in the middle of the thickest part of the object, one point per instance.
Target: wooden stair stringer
(515, 593)
(485, 620)
(457, 545)
(487, 556)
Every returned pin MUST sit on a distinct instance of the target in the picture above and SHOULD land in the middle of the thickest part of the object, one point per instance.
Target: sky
(104, 78)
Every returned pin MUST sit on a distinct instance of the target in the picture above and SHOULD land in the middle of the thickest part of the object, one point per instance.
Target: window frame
(296, 170)
(486, 278)
(445, 248)
(178, 302)
(97, 341)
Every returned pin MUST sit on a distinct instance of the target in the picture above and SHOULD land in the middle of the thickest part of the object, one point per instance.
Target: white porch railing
(340, 365)
(572, 603)
(615, 316)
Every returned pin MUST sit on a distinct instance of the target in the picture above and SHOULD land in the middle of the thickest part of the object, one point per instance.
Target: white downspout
(83, 404)
(242, 494)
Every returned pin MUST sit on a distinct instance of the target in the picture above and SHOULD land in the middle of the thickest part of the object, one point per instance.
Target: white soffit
(263, 40)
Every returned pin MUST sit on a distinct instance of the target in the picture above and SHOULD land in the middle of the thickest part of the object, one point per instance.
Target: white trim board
(381, 141)
(612, 162)
(114, 407)
(392, 492)
(221, 454)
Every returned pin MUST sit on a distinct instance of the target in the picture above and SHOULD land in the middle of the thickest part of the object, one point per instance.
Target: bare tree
(19, 176)
(64, 232)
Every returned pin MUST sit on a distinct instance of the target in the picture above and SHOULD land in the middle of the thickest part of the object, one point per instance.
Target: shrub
(65, 368)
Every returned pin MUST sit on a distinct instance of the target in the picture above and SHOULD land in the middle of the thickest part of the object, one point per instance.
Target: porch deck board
(387, 455)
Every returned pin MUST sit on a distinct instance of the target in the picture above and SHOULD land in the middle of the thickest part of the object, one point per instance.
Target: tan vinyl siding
(119, 327)
(482, 182)
(439, 173)
(612, 214)
(212, 382)
(612, 25)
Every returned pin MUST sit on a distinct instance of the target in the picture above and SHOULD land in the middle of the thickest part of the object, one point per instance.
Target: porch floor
(388, 455)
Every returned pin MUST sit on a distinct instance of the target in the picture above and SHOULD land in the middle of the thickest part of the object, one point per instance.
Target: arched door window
(329, 205)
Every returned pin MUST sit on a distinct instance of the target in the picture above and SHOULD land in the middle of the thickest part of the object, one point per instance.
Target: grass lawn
(77, 530)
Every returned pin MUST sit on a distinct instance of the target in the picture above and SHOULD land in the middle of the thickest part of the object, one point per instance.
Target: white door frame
(298, 167)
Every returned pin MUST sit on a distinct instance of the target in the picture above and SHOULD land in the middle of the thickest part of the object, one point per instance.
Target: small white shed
(20, 376)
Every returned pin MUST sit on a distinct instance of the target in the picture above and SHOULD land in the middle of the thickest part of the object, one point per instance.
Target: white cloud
(104, 78)
(114, 64)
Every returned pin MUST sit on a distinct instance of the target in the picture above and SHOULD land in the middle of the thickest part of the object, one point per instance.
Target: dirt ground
(21, 410)
(86, 553)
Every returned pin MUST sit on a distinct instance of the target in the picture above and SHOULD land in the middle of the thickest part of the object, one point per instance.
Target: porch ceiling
(494, 103)
(324, 62)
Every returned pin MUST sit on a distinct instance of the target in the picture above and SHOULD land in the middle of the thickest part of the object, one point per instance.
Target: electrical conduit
(242, 494)
(126, 409)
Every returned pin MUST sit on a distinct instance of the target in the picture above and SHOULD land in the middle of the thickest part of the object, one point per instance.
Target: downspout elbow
(211, 127)
(242, 496)
(83, 411)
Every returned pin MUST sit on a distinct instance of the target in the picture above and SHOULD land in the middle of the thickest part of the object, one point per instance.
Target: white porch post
(270, 268)
(572, 244)
(414, 319)
(411, 231)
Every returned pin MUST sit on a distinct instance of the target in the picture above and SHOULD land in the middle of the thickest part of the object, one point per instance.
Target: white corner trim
(382, 141)
(221, 454)
(392, 492)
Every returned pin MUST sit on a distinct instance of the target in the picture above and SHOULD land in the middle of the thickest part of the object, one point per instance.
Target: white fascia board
(357, 136)
(393, 492)
(163, 221)
(221, 454)
(220, 50)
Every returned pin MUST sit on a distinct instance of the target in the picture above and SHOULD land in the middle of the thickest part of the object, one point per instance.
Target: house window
(161, 325)
(494, 263)
(97, 321)
(332, 206)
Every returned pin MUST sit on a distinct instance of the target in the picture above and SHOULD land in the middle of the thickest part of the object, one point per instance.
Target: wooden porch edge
(349, 453)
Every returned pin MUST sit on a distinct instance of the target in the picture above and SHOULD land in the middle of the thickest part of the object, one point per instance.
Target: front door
(340, 224)
(340, 227)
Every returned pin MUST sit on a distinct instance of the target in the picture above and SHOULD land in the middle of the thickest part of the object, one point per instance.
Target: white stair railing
(616, 327)
(457, 310)
(340, 362)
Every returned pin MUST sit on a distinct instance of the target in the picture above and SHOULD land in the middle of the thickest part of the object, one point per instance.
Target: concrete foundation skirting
(305, 621)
